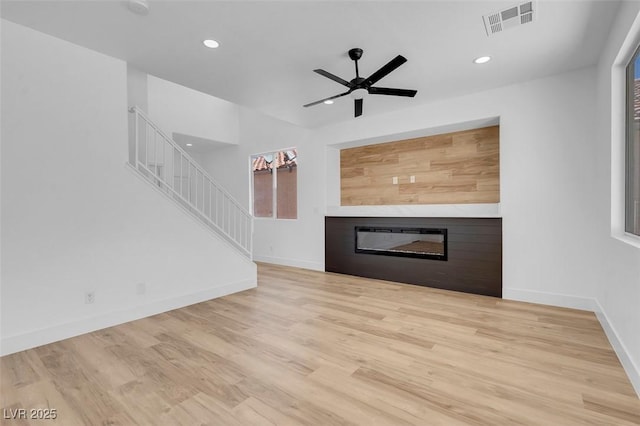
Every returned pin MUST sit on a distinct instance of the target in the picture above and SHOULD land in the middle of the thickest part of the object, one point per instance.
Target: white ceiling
(269, 49)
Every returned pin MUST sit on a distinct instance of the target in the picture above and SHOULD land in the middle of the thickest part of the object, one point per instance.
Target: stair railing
(165, 164)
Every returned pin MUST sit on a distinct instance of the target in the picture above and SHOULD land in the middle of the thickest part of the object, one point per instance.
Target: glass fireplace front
(427, 243)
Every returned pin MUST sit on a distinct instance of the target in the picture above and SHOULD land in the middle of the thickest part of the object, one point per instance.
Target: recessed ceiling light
(211, 44)
(328, 102)
(482, 60)
(189, 144)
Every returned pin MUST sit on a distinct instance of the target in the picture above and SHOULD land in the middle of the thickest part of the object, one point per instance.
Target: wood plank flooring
(315, 348)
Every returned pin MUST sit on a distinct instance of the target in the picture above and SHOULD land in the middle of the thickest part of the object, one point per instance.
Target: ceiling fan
(359, 87)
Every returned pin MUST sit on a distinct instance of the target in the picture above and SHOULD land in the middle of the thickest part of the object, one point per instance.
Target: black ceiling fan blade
(393, 92)
(386, 69)
(327, 99)
(333, 77)
(357, 103)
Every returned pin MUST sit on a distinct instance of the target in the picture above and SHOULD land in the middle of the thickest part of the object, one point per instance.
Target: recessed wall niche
(451, 168)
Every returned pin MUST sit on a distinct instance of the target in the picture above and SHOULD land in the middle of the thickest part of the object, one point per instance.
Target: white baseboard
(585, 304)
(630, 367)
(20, 342)
(553, 299)
(296, 263)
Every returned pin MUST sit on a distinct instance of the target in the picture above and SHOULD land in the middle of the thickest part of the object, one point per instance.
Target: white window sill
(272, 218)
(627, 238)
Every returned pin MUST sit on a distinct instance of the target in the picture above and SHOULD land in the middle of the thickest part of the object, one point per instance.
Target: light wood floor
(321, 349)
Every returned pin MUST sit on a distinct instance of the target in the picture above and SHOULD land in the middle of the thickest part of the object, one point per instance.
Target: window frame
(631, 211)
(274, 186)
(616, 128)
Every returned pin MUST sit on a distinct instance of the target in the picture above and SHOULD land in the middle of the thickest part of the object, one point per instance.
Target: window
(632, 155)
(275, 184)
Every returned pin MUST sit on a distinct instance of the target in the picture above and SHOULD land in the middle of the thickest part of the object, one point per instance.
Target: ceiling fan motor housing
(355, 53)
(357, 82)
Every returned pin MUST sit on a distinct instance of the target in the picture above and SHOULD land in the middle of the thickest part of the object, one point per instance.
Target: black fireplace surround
(461, 254)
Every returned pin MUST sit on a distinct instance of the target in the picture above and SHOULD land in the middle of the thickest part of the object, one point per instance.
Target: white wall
(168, 98)
(546, 177)
(137, 91)
(618, 285)
(136, 97)
(547, 156)
(178, 109)
(90, 224)
(288, 242)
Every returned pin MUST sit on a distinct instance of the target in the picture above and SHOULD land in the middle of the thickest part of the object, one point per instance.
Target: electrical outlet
(89, 297)
(141, 288)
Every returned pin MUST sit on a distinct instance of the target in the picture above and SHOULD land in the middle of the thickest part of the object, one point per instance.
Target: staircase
(164, 164)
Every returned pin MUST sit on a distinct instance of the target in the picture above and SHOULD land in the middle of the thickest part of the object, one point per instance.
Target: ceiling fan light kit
(139, 7)
(359, 93)
(360, 87)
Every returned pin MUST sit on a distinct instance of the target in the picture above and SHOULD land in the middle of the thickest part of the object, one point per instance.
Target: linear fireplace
(426, 243)
(472, 248)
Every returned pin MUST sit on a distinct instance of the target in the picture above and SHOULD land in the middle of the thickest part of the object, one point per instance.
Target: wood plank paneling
(453, 168)
(474, 258)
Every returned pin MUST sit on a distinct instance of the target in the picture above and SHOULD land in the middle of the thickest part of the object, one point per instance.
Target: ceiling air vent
(511, 17)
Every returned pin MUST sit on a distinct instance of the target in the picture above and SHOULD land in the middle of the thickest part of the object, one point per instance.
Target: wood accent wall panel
(473, 265)
(452, 168)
